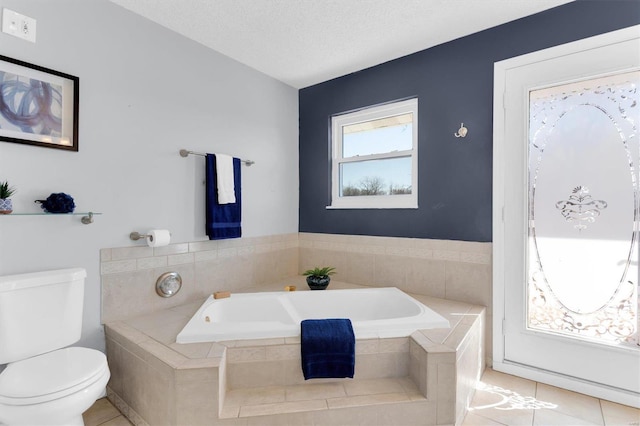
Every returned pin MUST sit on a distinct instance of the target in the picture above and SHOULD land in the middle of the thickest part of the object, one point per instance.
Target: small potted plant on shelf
(318, 278)
(6, 191)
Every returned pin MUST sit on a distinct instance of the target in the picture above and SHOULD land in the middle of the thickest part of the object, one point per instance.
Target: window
(375, 157)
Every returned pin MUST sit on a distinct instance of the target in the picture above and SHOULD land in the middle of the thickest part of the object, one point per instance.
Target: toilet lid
(52, 374)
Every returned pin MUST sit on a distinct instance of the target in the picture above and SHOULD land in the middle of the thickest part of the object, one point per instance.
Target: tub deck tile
(251, 402)
(365, 400)
(373, 387)
(282, 408)
(260, 381)
(315, 391)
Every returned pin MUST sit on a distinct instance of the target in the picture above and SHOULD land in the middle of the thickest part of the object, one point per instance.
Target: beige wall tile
(105, 255)
(468, 282)
(426, 276)
(127, 295)
(196, 246)
(283, 352)
(367, 346)
(118, 266)
(390, 271)
(445, 411)
(196, 403)
(400, 344)
(152, 262)
(359, 268)
(122, 253)
(203, 256)
(251, 354)
(178, 259)
(373, 366)
(372, 387)
(114, 360)
(254, 374)
(171, 249)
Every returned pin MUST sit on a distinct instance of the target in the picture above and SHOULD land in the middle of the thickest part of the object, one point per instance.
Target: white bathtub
(374, 312)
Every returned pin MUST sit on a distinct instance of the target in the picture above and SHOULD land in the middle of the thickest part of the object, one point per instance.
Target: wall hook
(462, 131)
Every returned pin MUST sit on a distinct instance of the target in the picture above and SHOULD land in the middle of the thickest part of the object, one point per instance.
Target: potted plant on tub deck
(318, 278)
(6, 191)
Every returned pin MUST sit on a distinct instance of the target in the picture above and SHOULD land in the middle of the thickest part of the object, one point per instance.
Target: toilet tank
(40, 312)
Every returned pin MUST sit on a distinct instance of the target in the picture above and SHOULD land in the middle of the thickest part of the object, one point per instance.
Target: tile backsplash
(129, 274)
(454, 270)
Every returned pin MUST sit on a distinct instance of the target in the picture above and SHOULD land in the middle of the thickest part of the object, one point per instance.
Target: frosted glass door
(583, 195)
(567, 229)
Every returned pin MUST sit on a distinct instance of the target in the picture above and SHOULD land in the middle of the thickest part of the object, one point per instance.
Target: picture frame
(38, 105)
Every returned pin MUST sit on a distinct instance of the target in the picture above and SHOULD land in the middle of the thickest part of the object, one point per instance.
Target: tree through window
(374, 157)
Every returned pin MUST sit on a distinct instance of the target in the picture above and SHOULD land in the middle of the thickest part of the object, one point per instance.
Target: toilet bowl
(46, 381)
(52, 389)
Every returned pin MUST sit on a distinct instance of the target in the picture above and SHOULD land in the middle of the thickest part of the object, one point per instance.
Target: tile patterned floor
(501, 400)
(103, 413)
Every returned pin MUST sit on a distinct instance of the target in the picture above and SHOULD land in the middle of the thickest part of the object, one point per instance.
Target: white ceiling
(304, 42)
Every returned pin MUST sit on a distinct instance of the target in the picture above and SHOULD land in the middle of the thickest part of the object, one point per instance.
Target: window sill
(371, 207)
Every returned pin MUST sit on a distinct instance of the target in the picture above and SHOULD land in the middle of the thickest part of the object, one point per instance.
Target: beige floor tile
(503, 406)
(618, 415)
(101, 411)
(556, 418)
(523, 387)
(118, 421)
(472, 419)
(571, 403)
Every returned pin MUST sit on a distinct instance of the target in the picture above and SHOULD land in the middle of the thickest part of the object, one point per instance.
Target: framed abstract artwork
(38, 106)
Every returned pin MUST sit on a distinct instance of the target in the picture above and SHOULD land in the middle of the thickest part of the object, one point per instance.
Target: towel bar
(185, 153)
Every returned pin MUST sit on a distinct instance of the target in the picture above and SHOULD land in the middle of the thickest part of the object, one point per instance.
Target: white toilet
(44, 384)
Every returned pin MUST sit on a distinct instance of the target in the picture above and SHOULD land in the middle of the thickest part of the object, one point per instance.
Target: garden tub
(374, 312)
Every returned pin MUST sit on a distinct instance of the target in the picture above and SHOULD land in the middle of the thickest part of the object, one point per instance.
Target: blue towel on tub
(327, 348)
(223, 220)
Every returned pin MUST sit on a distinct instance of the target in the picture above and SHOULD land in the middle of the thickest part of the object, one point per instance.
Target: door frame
(500, 186)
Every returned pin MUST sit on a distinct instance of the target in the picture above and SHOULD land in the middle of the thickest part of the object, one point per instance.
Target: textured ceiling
(304, 42)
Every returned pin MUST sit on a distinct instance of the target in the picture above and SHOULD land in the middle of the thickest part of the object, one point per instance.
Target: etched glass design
(584, 197)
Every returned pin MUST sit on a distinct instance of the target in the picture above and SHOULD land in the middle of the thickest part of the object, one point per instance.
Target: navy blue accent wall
(454, 84)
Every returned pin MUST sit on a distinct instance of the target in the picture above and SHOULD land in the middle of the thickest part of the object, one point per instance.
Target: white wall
(145, 92)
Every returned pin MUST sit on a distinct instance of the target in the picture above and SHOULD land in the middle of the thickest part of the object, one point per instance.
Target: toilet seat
(51, 376)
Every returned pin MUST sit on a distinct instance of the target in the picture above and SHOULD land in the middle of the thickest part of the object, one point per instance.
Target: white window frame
(398, 201)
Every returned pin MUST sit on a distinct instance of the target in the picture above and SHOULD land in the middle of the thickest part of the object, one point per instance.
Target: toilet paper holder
(135, 236)
(154, 237)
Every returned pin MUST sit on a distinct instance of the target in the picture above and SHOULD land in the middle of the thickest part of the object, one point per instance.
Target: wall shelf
(87, 217)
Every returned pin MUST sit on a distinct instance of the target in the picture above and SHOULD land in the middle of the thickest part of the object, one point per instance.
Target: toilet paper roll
(158, 238)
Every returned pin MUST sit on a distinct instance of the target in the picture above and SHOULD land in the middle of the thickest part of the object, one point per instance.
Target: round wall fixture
(168, 284)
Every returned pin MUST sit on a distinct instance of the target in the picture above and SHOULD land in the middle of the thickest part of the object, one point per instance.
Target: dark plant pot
(318, 283)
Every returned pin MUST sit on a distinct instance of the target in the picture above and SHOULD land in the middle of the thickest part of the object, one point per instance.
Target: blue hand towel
(327, 348)
(223, 220)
